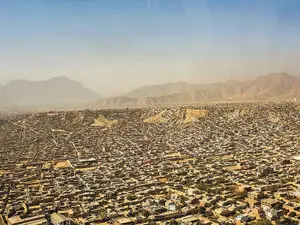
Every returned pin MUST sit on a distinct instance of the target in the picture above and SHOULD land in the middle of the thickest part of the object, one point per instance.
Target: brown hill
(277, 86)
(161, 90)
(190, 96)
(270, 87)
(118, 101)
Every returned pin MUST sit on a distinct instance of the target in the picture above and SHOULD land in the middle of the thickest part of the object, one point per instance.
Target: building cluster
(237, 164)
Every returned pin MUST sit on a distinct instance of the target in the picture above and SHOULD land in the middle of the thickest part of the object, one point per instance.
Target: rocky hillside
(270, 87)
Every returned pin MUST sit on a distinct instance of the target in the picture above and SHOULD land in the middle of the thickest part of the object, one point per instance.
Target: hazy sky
(113, 46)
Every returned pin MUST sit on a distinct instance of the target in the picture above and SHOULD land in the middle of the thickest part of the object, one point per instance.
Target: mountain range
(58, 91)
(62, 92)
(270, 87)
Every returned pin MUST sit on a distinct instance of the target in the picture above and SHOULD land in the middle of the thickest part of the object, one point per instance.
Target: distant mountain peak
(278, 74)
(60, 78)
(57, 91)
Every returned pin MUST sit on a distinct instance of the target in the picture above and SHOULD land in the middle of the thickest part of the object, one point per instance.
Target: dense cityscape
(210, 164)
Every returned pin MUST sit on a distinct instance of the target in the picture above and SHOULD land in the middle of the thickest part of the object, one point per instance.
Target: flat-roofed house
(36, 220)
(59, 219)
